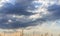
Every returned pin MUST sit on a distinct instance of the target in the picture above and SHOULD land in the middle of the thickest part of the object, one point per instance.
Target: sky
(31, 14)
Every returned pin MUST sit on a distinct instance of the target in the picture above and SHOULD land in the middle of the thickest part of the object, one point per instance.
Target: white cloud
(1, 5)
(34, 17)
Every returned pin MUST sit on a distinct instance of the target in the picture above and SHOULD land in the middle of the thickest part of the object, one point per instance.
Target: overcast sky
(30, 13)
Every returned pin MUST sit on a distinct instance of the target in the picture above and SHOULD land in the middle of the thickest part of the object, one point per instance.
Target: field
(11, 34)
(25, 34)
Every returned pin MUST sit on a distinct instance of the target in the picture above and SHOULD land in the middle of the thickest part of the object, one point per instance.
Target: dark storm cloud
(4, 24)
(15, 9)
(54, 11)
(18, 24)
(19, 8)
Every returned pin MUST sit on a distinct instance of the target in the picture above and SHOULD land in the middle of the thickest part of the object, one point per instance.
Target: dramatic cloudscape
(30, 14)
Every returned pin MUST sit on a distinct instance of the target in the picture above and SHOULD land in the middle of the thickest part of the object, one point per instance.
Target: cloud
(18, 21)
(14, 9)
(15, 15)
(55, 11)
(29, 13)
